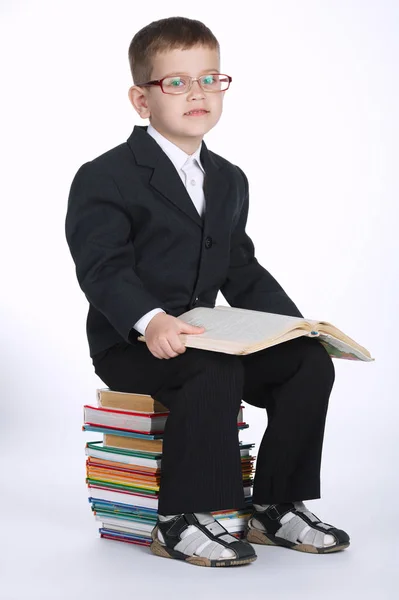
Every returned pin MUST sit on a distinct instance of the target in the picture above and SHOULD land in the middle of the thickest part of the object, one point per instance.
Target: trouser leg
(293, 382)
(201, 464)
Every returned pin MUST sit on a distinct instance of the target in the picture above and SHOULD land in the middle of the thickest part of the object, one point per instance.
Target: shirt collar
(176, 154)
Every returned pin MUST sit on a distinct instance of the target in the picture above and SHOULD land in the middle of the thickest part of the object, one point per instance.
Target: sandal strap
(182, 522)
(275, 512)
(340, 536)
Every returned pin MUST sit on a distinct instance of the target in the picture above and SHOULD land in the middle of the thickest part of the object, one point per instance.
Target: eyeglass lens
(181, 83)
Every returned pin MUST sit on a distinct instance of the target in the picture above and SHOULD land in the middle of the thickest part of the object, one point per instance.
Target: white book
(242, 331)
(123, 458)
(123, 498)
(123, 419)
(134, 499)
(125, 525)
(128, 420)
(136, 460)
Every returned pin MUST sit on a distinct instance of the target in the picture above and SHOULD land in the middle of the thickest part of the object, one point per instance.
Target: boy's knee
(321, 360)
(221, 364)
(224, 370)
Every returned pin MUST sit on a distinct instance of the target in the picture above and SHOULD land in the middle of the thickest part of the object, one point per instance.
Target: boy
(156, 226)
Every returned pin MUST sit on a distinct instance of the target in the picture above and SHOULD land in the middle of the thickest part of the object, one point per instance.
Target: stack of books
(123, 470)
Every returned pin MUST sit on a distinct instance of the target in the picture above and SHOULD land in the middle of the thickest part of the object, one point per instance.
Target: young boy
(156, 226)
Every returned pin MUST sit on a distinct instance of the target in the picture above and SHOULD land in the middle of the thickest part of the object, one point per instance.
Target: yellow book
(107, 398)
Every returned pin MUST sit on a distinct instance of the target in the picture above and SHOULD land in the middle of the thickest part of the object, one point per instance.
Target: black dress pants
(201, 464)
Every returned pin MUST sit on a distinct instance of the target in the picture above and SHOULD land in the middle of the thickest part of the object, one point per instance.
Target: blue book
(143, 436)
(122, 432)
(99, 505)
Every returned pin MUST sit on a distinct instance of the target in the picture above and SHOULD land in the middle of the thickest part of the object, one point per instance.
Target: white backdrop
(312, 119)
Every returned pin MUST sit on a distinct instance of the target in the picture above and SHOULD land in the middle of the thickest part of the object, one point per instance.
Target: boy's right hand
(162, 335)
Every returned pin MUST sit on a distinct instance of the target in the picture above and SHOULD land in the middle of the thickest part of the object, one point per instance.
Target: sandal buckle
(273, 513)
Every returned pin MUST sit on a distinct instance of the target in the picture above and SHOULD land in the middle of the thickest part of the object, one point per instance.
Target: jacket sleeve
(248, 284)
(98, 232)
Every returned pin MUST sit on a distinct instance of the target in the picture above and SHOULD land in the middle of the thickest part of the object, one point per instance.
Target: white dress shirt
(192, 173)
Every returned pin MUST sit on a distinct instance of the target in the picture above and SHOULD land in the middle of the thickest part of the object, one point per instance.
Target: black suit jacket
(138, 242)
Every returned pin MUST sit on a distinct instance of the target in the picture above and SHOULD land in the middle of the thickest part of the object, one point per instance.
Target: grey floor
(51, 549)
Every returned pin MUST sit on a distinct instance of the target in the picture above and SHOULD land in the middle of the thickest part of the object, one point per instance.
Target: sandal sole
(159, 550)
(258, 537)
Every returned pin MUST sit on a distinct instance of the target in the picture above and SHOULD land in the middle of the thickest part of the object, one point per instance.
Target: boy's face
(167, 112)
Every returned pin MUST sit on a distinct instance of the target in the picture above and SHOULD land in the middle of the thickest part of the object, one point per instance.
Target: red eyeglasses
(180, 84)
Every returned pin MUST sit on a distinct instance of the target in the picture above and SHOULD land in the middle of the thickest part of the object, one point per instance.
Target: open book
(241, 331)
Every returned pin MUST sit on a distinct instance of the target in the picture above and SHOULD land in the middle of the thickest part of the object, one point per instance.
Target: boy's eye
(208, 79)
(176, 81)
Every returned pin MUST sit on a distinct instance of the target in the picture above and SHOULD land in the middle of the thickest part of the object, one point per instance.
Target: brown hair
(162, 36)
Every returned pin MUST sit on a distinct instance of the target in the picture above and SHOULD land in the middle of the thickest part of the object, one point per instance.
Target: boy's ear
(138, 99)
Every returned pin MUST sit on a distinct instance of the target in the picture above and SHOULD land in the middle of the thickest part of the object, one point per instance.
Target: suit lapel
(167, 182)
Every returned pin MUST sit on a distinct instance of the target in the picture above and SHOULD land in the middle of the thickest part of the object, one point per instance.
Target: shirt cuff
(142, 323)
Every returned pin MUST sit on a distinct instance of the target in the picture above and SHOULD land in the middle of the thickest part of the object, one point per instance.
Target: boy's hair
(162, 36)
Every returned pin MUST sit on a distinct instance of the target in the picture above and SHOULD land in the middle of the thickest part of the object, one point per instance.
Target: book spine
(122, 432)
(130, 413)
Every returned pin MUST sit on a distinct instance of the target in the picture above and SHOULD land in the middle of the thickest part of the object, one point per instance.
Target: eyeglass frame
(192, 79)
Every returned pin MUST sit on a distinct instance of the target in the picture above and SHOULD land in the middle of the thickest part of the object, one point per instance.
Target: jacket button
(208, 242)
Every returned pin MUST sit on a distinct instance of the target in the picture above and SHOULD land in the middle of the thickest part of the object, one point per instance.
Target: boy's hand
(162, 335)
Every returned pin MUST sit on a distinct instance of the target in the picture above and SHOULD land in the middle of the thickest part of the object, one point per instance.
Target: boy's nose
(196, 88)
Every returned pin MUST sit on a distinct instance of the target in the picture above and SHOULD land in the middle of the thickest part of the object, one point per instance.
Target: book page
(240, 326)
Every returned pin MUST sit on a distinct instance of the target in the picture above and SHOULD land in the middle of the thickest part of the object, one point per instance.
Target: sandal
(292, 525)
(199, 540)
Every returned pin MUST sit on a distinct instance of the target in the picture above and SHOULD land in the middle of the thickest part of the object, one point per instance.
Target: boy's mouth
(196, 112)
